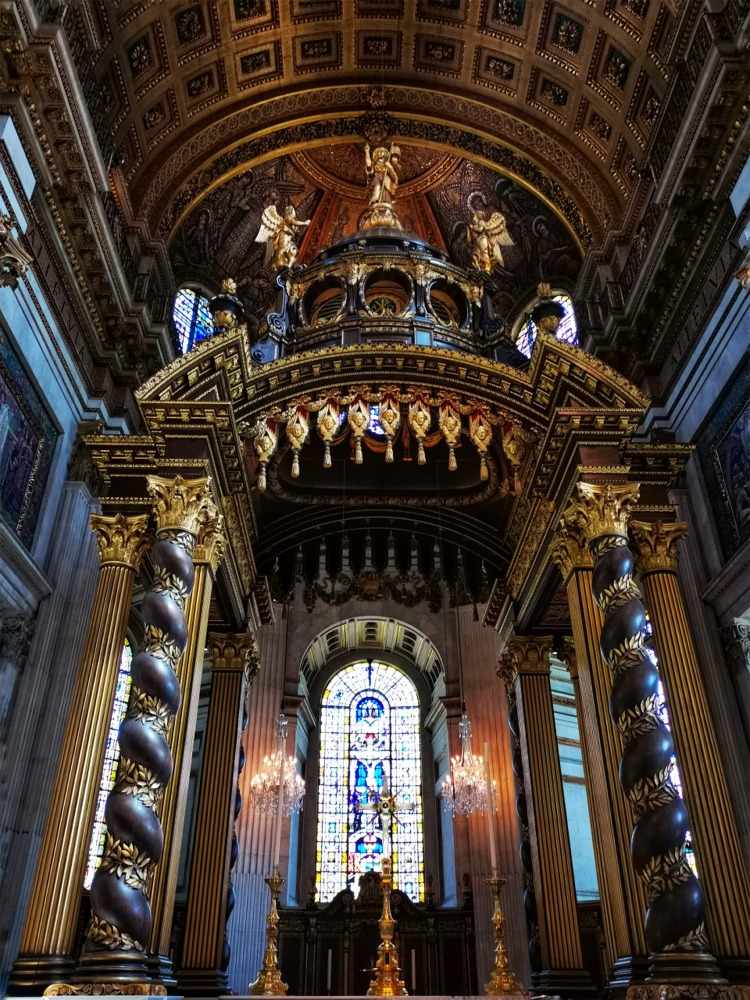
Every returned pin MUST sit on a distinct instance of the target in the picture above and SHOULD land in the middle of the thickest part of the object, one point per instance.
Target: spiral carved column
(623, 898)
(675, 930)
(205, 953)
(208, 553)
(49, 935)
(120, 926)
(525, 665)
(720, 861)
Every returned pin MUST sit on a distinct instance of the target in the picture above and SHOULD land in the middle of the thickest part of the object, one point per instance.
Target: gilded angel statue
(279, 233)
(488, 237)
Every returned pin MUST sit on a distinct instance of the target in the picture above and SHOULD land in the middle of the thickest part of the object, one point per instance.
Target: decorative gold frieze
(656, 545)
(181, 504)
(121, 539)
(602, 509)
(106, 990)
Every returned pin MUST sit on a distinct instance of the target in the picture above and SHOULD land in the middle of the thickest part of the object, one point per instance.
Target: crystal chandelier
(465, 788)
(264, 786)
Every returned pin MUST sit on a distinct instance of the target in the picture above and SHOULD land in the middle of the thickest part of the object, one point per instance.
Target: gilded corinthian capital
(602, 509)
(211, 544)
(181, 504)
(568, 548)
(121, 539)
(230, 651)
(524, 655)
(655, 545)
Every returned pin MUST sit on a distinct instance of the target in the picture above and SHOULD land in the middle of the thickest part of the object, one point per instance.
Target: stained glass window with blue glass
(111, 758)
(567, 330)
(192, 318)
(369, 740)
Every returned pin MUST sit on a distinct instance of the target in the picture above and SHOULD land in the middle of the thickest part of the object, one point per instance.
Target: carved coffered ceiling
(196, 91)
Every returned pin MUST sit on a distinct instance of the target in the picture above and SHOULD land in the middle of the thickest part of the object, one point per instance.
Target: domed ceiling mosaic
(438, 194)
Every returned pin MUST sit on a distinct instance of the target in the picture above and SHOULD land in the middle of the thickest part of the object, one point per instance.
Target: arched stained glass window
(567, 330)
(192, 318)
(111, 757)
(369, 740)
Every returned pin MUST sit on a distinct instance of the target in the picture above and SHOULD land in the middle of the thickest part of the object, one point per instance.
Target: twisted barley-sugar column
(50, 930)
(675, 931)
(205, 952)
(720, 862)
(207, 555)
(621, 892)
(525, 664)
(120, 926)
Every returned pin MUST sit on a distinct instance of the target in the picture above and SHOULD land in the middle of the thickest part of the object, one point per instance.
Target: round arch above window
(191, 318)
(524, 330)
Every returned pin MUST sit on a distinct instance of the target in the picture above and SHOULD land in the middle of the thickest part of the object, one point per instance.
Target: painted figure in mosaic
(487, 236)
(279, 233)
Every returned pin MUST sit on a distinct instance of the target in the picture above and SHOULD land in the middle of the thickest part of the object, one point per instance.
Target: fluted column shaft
(525, 666)
(720, 862)
(203, 964)
(120, 925)
(50, 929)
(207, 555)
(623, 898)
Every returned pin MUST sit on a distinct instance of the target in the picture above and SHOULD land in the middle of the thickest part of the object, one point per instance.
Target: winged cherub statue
(488, 237)
(279, 233)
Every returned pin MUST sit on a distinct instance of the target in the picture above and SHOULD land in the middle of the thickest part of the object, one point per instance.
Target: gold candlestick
(269, 982)
(386, 982)
(502, 982)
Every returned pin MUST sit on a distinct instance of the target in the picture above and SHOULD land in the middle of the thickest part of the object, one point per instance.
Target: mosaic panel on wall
(369, 740)
(27, 444)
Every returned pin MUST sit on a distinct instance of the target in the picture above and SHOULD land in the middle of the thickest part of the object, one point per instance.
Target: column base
(161, 970)
(106, 989)
(630, 970)
(204, 982)
(736, 970)
(564, 983)
(690, 991)
(32, 974)
(680, 967)
(112, 967)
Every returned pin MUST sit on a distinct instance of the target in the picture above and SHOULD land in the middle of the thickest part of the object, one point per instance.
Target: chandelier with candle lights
(465, 789)
(264, 786)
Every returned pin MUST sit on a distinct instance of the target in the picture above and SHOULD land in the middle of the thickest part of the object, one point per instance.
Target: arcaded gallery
(375, 498)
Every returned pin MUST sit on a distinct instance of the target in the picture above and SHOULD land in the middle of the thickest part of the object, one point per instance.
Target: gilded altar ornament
(449, 419)
(480, 432)
(420, 419)
(269, 982)
(487, 237)
(328, 426)
(381, 169)
(279, 233)
(297, 431)
(502, 981)
(389, 419)
(265, 435)
(358, 418)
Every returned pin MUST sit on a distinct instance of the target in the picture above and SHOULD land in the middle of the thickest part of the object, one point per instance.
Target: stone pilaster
(205, 954)
(49, 933)
(623, 898)
(675, 929)
(720, 861)
(525, 666)
(120, 926)
(208, 553)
